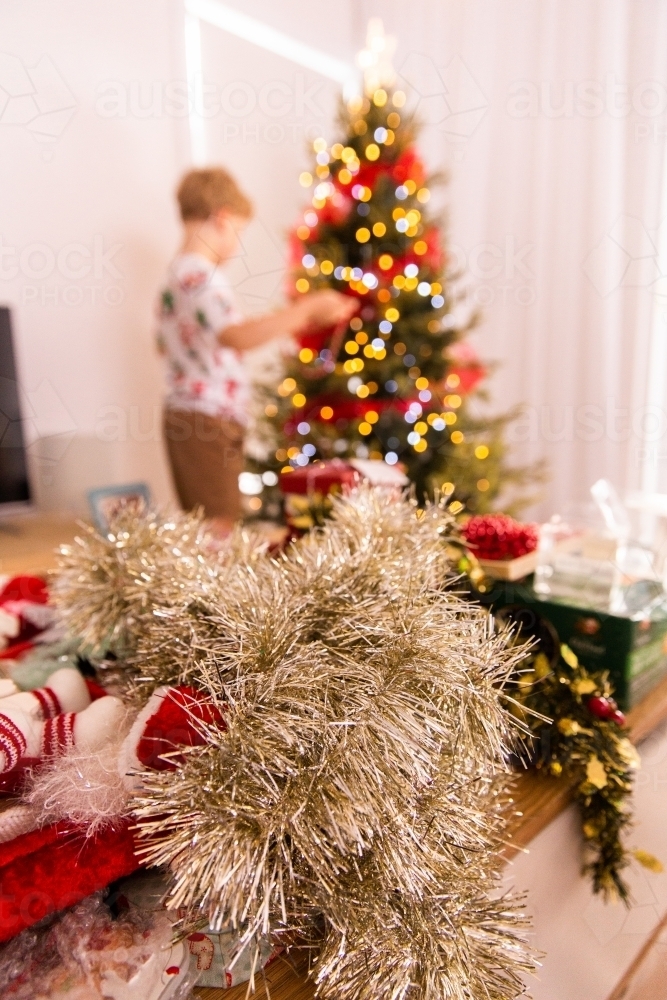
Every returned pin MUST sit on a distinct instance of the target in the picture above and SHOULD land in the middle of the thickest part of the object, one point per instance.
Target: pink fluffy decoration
(82, 787)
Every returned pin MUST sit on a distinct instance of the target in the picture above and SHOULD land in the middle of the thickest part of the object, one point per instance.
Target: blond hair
(203, 192)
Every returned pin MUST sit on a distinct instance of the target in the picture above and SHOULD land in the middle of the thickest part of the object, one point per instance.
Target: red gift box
(319, 478)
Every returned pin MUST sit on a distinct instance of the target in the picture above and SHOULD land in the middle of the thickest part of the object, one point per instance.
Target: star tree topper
(375, 59)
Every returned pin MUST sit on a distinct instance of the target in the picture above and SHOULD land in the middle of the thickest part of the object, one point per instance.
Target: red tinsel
(498, 536)
(347, 407)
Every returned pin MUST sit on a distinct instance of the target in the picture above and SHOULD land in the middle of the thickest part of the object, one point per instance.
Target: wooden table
(28, 543)
(286, 979)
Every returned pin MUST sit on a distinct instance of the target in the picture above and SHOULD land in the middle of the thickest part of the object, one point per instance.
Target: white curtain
(551, 119)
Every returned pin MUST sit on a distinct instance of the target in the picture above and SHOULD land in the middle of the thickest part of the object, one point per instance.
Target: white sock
(66, 691)
(20, 736)
(24, 736)
(98, 723)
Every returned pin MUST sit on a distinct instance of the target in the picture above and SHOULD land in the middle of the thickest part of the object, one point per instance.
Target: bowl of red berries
(506, 549)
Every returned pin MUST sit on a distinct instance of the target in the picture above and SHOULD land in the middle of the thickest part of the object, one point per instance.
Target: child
(203, 335)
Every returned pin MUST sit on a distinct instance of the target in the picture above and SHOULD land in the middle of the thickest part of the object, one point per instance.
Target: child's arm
(323, 308)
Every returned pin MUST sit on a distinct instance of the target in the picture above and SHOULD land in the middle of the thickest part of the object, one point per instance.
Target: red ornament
(497, 536)
(469, 377)
(315, 339)
(409, 165)
(434, 256)
(466, 365)
(335, 210)
(605, 709)
(601, 708)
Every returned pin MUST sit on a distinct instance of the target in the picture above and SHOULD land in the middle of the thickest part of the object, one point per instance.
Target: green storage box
(632, 649)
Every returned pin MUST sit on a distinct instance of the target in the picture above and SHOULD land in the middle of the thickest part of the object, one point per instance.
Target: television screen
(14, 486)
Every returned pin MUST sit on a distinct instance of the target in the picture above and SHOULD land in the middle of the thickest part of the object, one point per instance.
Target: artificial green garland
(588, 746)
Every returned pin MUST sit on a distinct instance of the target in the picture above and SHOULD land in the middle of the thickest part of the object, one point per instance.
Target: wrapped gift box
(510, 569)
(632, 648)
(334, 475)
(308, 489)
(321, 477)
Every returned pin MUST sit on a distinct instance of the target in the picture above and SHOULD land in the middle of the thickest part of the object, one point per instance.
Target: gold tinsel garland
(356, 796)
(110, 589)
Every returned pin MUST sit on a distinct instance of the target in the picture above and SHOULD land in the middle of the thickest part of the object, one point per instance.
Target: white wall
(102, 184)
(267, 112)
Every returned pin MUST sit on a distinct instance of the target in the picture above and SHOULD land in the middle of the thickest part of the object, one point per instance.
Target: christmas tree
(395, 383)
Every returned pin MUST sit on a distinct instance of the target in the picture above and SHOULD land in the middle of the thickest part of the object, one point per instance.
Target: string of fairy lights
(333, 181)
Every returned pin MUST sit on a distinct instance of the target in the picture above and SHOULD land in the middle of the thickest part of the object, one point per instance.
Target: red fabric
(17, 649)
(25, 588)
(13, 782)
(174, 724)
(50, 869)
(24, 845)
(95, 690)
(12, 741)
(58, 736)
(49, 702)
(319, 478)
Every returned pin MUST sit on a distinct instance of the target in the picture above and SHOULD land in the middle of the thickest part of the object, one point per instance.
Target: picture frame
(107, 500)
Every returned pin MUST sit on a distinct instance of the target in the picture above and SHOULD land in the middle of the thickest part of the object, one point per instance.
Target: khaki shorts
(206, 457)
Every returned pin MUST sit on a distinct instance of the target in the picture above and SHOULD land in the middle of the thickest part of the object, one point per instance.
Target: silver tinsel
(356, 797)
(110, 586)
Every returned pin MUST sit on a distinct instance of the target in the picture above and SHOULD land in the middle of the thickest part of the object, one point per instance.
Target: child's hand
(328, 308)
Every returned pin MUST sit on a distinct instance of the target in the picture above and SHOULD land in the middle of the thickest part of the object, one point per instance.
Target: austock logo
(35, 97)
(627, 256)
(448, 99)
